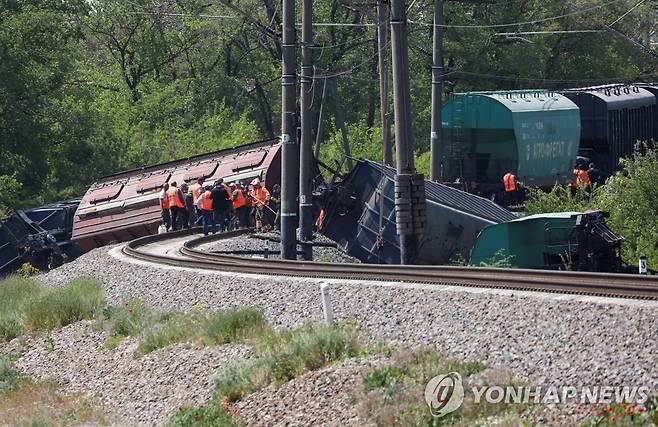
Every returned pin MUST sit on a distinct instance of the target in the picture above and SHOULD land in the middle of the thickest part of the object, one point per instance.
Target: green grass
(26, 306)
(10, 379)
(235, 325)
(282, 356)
(207, 416)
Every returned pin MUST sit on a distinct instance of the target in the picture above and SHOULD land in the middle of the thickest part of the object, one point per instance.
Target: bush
(174, 329)
(53, 308)
(239, 380)
(15, 293)
(10, 379)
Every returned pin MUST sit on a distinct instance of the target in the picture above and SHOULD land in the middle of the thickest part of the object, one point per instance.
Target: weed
(239, 380)
(10, 379)
(235, 325)
(207, 416)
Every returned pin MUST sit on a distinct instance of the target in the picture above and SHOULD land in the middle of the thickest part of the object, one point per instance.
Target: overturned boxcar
(359, 214)
(125, 205)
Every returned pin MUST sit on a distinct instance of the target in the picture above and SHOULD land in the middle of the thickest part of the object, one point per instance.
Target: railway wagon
(554, 241)
(361, 218)
(613, 119)
(124, 206)
(534, 134)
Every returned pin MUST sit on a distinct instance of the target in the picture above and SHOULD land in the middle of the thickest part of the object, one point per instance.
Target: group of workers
(582, 177)
(220, 206)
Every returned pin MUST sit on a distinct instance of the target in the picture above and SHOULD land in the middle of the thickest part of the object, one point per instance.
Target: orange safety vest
(240, 200)
(196, 192)
(206, 201)
(174, 200)
(580, 178)
(261, 195)
(164, 202)
(510, 182)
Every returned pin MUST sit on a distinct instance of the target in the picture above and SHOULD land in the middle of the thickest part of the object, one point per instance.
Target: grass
(156, 330)
(26, 306)
(394, 394)
(284, 355)
(207, 416)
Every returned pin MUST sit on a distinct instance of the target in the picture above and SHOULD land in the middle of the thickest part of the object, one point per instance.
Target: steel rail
(563, 282)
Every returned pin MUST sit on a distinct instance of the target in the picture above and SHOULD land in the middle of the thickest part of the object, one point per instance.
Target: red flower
(641, 410)
(629, 411)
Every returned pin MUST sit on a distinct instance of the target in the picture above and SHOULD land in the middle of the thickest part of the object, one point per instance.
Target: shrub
(15, 293)
(10, 379)
(239, 380)
(174, 329)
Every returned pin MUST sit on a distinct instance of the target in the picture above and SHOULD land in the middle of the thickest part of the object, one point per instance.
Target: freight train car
(125, 205)
(360, 217)
(534, 134)
(613, 119)
(555, 241)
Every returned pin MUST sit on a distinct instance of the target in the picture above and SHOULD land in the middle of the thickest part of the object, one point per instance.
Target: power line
(513, 24)
(627, 12)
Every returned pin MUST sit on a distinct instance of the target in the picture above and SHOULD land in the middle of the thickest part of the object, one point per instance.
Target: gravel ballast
(547, 340)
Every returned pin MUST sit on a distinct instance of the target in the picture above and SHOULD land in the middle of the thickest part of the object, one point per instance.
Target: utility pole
(436, 173)
(409, 186)
(382, 45)
(289, 151)
(306, 145)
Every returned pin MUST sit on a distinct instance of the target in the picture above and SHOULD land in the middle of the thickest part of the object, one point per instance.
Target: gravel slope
(547, 340)
(144, 391)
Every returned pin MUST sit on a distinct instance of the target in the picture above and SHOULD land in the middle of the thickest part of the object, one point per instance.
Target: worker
(511, 188)
(241, 205)
(176, 205)
(204, 204)
(221, 205)
(187, 213)
(594, 174)
(580, 179)
(261, 199)
(164, 206)
(197, 190)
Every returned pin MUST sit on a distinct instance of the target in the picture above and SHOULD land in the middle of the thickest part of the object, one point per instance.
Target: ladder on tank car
(457, 137)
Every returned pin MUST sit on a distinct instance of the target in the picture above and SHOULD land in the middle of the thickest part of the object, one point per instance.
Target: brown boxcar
(125, 205)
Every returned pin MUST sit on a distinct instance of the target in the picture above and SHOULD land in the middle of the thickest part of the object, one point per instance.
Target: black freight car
(613, 119)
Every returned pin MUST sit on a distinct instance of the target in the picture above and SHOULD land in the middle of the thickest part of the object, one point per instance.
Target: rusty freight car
(125, 205)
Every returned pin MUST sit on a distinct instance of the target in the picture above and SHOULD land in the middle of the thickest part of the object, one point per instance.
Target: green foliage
(241, 379)
(559, 199)
(176, 328)
(365, 143)
(10, 379)
(10, 197)
(498, 260)
(207, 416)
(630, 197)
(15, 294)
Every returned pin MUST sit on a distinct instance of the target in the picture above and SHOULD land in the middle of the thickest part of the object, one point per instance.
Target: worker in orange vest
(511, 187)
(197, 190)
(204, 204)
(164, 206)
(261, 198)
(580, 179)
(176, 205)
(241, 205)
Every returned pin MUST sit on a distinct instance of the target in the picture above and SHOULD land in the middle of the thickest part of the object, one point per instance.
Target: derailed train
(540, 135)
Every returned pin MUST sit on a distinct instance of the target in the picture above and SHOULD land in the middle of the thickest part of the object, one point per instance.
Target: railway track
(563, 282)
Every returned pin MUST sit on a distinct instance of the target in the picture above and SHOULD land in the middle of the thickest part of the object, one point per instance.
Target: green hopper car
(533, 134)
(555, 241)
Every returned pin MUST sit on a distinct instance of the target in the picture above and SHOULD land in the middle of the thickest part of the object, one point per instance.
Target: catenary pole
(437, 86)
(306, 144)
(382, 45)
(405, 178)
(289, 150)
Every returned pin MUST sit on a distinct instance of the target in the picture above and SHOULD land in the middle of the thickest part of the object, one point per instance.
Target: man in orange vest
(204, 204)
(580, 179)
(164, 206)
(176, 205)
(241, 205)
(511, 187)
(261, 198)
(197, 189)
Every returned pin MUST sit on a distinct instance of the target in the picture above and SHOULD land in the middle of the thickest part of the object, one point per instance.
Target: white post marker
(643, 265)
(326, 304)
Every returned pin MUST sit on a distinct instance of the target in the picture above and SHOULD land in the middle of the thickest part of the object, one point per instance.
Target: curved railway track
(563, 282)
